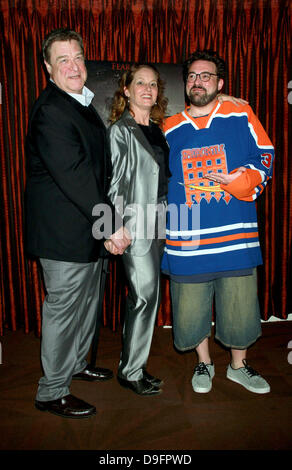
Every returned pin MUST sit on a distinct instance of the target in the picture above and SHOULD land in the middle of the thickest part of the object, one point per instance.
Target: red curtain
(254, 36)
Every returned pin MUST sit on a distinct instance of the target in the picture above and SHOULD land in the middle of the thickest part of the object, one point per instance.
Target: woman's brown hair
(120, 101)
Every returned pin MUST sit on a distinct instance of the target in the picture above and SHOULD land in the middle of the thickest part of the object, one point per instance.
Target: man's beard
(202, 99)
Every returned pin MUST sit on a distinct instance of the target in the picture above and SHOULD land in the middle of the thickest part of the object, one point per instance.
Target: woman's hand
(222, 97)
(118, 241)
(111, 247)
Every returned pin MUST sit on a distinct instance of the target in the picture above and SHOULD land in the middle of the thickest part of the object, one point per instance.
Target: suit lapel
(138, 133)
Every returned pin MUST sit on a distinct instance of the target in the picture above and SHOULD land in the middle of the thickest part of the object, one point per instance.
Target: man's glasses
(203, 76)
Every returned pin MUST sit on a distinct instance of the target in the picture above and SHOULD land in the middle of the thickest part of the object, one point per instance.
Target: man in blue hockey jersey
(220, 159)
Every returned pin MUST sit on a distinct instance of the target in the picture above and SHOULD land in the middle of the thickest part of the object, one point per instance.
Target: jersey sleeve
(259, 163)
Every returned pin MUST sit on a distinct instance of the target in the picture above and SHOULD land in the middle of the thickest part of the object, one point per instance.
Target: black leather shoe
(92, 374)
(141, 387)
(67, 407)
(153, 380)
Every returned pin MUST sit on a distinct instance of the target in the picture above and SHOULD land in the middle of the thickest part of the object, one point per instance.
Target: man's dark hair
(59, 35)
(209, 55)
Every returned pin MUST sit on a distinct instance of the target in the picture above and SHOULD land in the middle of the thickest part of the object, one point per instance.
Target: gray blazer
(135, 175)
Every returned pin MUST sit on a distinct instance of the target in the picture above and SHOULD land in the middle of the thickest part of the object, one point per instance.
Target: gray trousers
(68, 320)
(143, 274)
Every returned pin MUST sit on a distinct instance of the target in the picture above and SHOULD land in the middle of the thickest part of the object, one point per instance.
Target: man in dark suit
(67, 176)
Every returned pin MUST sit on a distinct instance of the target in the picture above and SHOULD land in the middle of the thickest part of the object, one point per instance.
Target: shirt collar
(84, 98)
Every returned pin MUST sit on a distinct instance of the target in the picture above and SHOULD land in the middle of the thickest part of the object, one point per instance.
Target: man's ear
(48, 67)
(220, 84)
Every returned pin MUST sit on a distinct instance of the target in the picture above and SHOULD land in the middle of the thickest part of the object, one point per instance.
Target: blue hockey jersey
(210, 227)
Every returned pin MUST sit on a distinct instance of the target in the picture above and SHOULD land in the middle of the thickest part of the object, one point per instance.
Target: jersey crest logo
(196, 163)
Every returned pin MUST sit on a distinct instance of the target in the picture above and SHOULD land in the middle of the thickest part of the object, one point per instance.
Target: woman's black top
(156, 139)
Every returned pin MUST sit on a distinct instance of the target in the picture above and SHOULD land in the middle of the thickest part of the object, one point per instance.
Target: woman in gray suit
(138, 189)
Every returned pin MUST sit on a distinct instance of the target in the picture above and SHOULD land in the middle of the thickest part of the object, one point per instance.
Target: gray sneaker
(248, 378)
(202, 378)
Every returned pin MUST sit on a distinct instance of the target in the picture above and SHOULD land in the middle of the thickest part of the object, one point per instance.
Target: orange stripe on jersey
(258, 131)
(173, 121)
(209, 241)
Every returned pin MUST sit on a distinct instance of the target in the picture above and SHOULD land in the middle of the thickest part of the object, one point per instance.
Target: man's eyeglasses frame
(203, 76)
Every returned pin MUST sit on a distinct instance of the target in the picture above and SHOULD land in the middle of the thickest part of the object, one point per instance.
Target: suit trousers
(143, 274)
(68, 320)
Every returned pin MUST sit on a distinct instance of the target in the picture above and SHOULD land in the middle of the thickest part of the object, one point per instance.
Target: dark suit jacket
(67, 169)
